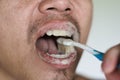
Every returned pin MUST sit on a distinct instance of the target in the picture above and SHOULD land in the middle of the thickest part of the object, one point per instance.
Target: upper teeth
(67, 50)
(59, 33)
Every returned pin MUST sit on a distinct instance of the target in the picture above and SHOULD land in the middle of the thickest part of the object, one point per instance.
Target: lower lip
(60, 63)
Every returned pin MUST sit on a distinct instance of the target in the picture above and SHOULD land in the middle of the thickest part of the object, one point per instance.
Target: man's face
(28, 33)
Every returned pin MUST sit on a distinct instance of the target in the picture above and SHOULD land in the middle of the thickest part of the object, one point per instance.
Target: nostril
(55, 9)
(67, 9)
(51, 8)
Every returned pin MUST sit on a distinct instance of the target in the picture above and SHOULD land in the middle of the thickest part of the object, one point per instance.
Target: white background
(105, 33)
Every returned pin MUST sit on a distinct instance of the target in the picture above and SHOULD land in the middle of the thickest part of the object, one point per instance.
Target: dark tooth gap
(60, 53)
(54, 38)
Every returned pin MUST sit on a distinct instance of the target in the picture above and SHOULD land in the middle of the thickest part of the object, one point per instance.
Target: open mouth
(54, 53)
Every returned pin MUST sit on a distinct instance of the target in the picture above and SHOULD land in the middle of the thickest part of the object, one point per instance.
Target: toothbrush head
(67, 42)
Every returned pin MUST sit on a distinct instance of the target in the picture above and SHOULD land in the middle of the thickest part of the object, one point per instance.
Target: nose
(55, 6)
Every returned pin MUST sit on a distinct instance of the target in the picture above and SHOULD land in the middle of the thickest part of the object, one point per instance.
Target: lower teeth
(65, 50)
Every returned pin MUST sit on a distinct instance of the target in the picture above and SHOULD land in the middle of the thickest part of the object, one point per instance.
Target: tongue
(47, 45)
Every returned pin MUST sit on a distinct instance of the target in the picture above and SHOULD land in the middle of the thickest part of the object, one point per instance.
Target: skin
(18, 57)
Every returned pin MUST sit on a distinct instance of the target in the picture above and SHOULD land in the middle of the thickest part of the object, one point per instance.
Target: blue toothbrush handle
(99, 55)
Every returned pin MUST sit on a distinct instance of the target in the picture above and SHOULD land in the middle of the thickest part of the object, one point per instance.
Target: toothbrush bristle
(67, 42)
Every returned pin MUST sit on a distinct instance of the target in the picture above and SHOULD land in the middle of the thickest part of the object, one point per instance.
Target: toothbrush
(68, 42)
